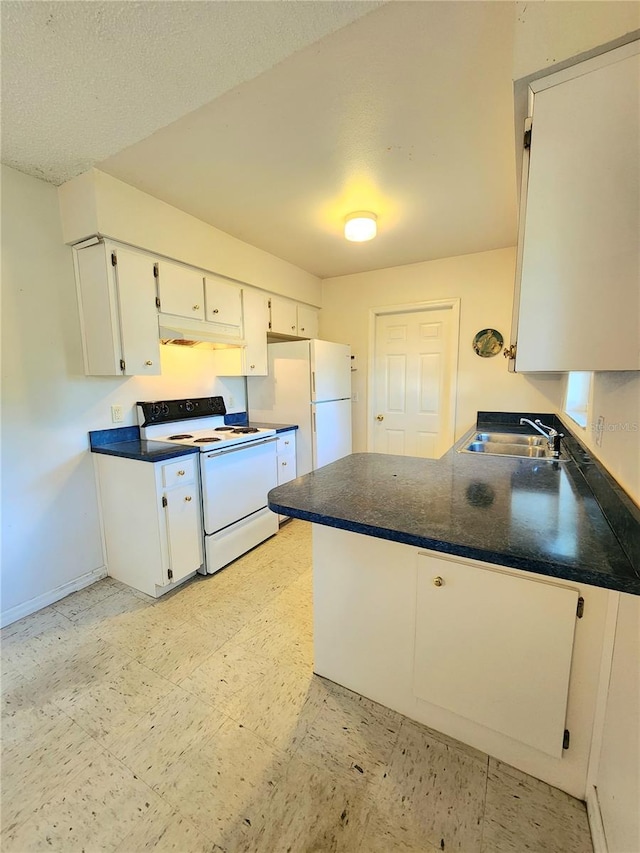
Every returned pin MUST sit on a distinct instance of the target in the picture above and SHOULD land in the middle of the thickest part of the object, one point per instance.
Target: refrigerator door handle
(313, 383)
(313, 414)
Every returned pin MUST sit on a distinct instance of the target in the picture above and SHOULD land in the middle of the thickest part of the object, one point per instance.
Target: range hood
(184, 331)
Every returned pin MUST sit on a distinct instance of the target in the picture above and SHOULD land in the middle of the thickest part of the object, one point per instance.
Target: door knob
(438, 581)
(379, 417)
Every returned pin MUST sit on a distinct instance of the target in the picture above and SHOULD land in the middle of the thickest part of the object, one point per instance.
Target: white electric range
(237, 470)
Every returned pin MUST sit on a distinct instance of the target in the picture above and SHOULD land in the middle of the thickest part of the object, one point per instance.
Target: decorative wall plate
(487, 343)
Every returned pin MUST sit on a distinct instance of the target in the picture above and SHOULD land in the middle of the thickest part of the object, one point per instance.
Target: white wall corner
(596, 825)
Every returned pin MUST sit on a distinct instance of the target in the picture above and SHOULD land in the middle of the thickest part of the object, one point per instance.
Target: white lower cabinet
(495, 657)
(286, 456)
(152, 520)
(495, 648)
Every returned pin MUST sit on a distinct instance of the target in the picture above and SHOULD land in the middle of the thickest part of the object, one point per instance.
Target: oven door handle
(244, 446)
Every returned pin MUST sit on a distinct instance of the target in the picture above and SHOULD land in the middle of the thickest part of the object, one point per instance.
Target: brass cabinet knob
(284, 463)
(180, 473)
(187, 498)
(438, 581)
(379, 417)
(196, 307)
(252, 366)
(215, 311)
(148, 363)
(287, 441)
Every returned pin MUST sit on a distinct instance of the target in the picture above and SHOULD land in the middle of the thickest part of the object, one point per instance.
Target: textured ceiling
(272, 120)
(82, 80)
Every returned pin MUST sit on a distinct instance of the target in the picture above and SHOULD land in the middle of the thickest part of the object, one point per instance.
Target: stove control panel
(166, 411)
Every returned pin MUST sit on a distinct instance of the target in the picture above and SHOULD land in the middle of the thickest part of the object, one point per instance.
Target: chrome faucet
(553, 436)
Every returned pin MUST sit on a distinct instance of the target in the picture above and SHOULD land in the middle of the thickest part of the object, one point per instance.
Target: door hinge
(526, 142)
(122, 365)
(157, 302)
(164, 501)
(269, 303)
(114, 259)
(170, 574)
(580, 608)
(155, 271)
(566, 739)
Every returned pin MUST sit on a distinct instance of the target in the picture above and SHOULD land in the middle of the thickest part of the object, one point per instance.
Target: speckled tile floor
(195, 723)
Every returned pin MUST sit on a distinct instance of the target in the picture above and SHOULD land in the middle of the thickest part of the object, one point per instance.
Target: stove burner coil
(176, 437)
(224, 429)
(207, 438)
(245, 430)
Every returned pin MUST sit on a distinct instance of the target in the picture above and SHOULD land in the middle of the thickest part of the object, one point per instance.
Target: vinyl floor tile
(434, 791)
(523, 814)
(103, 804)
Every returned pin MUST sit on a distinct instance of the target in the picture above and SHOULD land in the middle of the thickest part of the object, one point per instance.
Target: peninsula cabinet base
(494, 657)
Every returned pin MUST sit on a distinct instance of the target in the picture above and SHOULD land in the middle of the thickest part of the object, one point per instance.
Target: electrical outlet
(117, 414)
(599, 430)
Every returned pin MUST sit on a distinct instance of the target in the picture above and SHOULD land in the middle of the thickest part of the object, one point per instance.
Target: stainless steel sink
(509, 444)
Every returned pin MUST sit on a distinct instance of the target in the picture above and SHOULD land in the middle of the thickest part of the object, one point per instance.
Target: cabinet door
(495, 648)
(284, 318)
(579, 301)
(286, 448)
(136, 288)
(256, 324)
(181, 290)
(307, 322)
(223, 301)
(184, 532)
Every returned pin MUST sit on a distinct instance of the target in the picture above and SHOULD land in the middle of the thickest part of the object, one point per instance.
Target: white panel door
(414, 365)
(330, 371)
(181, 290)
(331, 424)
(495, 649)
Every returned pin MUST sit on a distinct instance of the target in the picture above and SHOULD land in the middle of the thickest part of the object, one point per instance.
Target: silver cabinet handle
(187, 498)
(438, 581)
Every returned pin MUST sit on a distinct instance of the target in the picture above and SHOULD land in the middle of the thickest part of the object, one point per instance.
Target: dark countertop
(539, 516)
(126, 442)
(278, 427)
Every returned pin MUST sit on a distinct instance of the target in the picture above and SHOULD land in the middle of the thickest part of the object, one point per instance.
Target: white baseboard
(596, 825)
(29, 607)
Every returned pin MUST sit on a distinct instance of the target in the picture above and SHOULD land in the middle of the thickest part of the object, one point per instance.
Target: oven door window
(235, 483)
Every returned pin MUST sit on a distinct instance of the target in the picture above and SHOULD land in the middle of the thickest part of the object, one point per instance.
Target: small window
(577, 398)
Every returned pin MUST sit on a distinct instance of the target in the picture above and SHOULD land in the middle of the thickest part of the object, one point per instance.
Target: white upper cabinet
(307, 322)
(250, 360)
(223, 302)
(284, 316)
(180, 290)
(118, 313)
(578, 306)
(291, 319)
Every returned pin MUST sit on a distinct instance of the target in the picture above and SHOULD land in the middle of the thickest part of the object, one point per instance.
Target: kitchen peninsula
(471, 593)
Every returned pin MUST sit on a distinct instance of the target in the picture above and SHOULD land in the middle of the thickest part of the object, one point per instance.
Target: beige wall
(484, 284)
(96, 203)
(50, 524)
(549, 33)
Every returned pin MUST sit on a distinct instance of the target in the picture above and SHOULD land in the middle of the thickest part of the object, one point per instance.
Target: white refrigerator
(309, 384)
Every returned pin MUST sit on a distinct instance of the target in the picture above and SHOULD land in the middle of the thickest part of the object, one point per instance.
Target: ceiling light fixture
(360, 226)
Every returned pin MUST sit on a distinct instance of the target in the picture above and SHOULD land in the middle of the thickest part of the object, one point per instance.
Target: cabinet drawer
(180, 472)
(286, 443)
